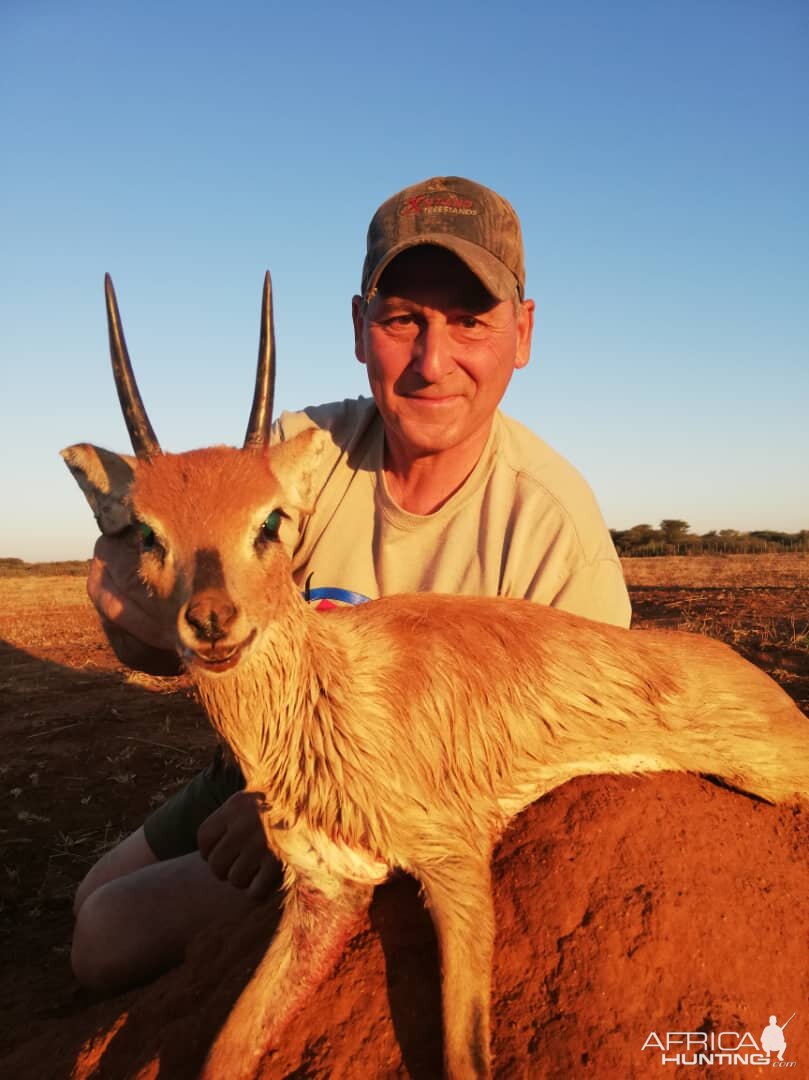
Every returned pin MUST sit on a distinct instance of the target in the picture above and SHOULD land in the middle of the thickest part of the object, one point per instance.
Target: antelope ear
(294, 463)
(105, 478)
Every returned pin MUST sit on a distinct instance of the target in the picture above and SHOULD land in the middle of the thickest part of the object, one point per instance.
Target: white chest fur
(324, 862)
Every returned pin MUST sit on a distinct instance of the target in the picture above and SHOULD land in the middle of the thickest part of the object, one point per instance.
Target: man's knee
(127, 932)
(91, 881)
(137, 925)
(99, 950)
(116, 939)
(131, 854)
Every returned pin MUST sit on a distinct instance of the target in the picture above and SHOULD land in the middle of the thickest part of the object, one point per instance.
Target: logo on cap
(448, 203)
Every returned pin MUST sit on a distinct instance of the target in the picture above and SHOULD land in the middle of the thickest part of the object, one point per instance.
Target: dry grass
(718, 571)
(17, 568)
(759, 604)
(33, 595)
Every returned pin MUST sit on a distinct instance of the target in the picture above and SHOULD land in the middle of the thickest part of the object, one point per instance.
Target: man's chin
(437, 429)
(430, 429)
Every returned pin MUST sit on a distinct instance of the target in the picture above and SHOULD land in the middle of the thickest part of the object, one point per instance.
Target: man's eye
(148, 540)
(469, 322)
(272, 523)
(400, 320)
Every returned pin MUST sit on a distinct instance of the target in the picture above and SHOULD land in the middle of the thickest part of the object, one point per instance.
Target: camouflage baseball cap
(472, 221)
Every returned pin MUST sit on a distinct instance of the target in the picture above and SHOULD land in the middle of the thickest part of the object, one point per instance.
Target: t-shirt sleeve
(596, 591)
(558, 550)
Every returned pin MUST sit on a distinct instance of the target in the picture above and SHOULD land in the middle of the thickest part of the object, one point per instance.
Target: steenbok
(404, 733)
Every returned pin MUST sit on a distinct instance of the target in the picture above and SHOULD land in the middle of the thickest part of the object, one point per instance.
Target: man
(427, 487)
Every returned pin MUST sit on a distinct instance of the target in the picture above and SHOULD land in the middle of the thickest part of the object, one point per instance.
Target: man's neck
(421, 484)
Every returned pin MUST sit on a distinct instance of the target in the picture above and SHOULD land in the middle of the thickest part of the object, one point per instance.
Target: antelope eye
(269, 530)
(147, 537)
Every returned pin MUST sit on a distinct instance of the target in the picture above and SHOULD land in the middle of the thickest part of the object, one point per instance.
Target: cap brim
(495, 276)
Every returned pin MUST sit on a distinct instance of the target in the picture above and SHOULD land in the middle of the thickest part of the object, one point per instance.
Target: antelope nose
(210, 616)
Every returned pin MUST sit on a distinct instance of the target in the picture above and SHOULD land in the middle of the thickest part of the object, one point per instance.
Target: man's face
(439, 351)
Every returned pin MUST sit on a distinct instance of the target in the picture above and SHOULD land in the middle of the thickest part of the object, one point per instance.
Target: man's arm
(597, 591)
(557, 546)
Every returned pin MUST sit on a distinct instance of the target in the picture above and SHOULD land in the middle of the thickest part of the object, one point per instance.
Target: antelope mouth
(218, 659)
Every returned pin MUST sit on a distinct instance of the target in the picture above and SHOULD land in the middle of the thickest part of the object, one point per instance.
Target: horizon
(651, 155)
(689, 535)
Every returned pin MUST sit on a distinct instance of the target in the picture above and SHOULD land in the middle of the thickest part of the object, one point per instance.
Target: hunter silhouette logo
(772, 1038)
(722, 1047)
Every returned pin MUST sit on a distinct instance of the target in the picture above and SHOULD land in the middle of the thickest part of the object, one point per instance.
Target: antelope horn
(144, 440)
(258, 427)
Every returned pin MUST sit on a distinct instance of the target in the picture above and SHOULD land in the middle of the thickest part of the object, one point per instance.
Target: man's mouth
(218, 658)
(432, 399)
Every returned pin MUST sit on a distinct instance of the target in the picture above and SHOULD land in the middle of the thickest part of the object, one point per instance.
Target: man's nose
(432, 357)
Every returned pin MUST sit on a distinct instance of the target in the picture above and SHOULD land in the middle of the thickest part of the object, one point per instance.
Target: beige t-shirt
(524, 523)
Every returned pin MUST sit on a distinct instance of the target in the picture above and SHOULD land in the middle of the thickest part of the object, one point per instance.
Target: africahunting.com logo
(721, 1047)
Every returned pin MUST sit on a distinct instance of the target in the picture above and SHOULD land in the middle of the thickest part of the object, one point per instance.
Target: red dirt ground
(624, 905)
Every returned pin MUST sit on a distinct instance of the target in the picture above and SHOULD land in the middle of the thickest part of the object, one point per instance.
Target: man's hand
(232, 842)
(139, 627)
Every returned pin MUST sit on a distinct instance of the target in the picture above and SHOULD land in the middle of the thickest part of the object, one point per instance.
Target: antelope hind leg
(459, 896)
(306, 946)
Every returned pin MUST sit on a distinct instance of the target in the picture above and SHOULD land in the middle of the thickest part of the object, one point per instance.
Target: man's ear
(525, 331)
(358, 309)
(105, 478)
(294, 464)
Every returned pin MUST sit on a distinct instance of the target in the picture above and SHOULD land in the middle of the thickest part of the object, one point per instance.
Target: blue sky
(656, 153)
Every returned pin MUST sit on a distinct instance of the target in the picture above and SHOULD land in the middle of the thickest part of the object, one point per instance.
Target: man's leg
(132, 853)
(143, 901)
(135, 914)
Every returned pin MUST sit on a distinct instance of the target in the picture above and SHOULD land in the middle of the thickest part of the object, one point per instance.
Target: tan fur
(101, 476)
(407, 732)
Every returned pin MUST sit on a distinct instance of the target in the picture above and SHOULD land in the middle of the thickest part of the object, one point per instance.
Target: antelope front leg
(459, 896)
(306, 946)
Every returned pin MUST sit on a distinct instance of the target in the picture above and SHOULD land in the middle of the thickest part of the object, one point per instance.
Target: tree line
(674, 537)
